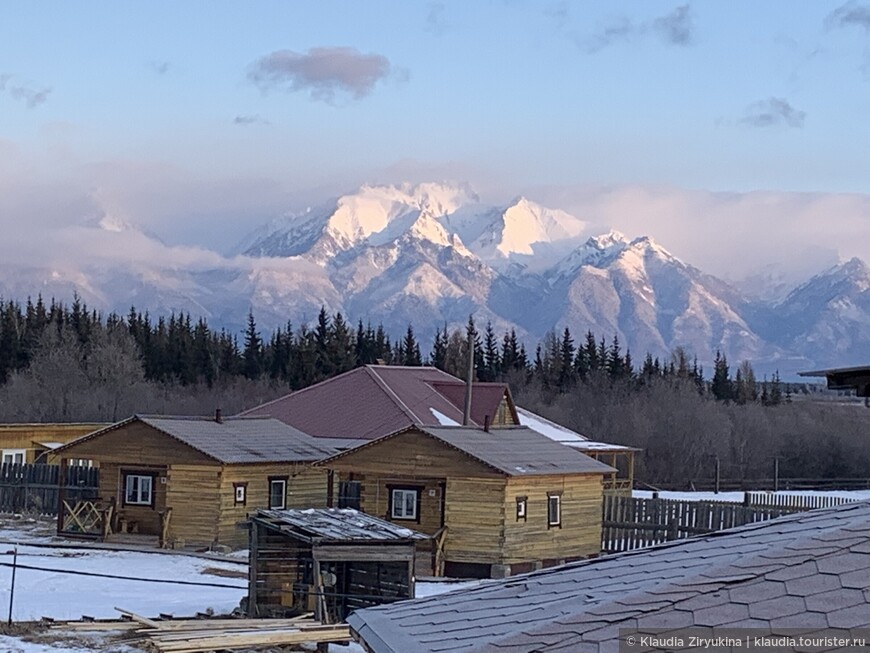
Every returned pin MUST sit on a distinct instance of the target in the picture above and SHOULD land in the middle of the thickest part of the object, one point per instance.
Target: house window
(240, 490)
(138, 490)
(278, 493)
(14, 456)
(554, 510)
(349, 494)
(522, 506)
(405, 503)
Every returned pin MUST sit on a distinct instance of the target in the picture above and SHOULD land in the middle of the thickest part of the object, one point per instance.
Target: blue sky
(202, 119)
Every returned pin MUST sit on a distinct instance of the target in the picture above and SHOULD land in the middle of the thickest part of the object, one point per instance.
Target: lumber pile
(202, 635)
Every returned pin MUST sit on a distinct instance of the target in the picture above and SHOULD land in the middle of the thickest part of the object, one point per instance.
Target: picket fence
(632, 523)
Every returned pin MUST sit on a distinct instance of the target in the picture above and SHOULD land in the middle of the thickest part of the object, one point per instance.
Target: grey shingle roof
(513, 451)
(238, 440)
(810, 570)
(518, 451)
(335, 525)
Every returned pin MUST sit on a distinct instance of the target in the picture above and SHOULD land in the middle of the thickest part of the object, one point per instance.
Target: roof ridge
(391, 394)
(293, 393)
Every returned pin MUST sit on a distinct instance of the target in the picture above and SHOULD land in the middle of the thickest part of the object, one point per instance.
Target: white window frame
(399, 503)
(272, 483)
(9, 456)
(522, 508)
(241, 493)
(135, 485)
(557, 522)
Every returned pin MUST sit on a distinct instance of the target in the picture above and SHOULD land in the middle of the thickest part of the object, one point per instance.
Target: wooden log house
(375, 400)
(497, 502)
(36, 443)
(327, 561)
(193, 481)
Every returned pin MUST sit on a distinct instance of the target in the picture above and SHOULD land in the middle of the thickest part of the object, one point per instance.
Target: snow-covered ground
(50, 592)
(68, 596)
(857, 495)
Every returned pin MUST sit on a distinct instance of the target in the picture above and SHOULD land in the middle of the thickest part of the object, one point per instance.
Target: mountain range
(431, 254)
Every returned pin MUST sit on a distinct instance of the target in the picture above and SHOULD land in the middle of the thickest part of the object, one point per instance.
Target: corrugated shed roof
(513, 451)
(335, 525)
(232, 440)
(807, 570)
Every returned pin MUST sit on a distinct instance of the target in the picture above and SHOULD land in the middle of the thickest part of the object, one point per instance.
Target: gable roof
(375, 400)
(238, 440)
(806, 571)
(512, 451)
(335, 525)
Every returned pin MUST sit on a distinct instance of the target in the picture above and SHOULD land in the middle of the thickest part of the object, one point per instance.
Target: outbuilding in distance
(330, 561)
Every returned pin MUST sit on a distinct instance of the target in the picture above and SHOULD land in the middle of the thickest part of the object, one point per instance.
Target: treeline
(182, 351)
(70, 363)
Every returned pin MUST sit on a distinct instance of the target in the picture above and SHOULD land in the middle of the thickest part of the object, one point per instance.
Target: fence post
(718, 477)
(776, 474)
(747, 499)
(673, 529)
(12, 587)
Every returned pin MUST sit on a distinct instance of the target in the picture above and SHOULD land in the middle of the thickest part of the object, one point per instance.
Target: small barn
(193, 481)
(498, 502)
(330, 561)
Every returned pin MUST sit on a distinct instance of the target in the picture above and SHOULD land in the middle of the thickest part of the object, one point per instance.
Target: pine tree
(438, 357)
(721, 385)
(567, 372)
(253, 352)
(491, 357)
(409, 353)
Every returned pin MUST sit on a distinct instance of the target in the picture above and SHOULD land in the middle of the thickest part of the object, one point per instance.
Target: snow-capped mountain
(431, 254)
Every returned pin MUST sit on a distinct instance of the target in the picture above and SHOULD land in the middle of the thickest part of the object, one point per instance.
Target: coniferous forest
(69, 363)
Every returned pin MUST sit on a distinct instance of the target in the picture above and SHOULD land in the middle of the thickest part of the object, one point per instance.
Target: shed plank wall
(580, 534)
(24, 436)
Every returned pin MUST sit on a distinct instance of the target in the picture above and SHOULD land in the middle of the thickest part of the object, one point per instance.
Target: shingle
(857, 616)
(845, 562)
(782, 606)
(725, 587)
(721, 614)
(809, 585)
(835, 600)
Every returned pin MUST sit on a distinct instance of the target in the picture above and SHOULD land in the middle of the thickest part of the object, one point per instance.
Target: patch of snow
(544, 426)
(423, 589)
(67, 596)
(443, 420)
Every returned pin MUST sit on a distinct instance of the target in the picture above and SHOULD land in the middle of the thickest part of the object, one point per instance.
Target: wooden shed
(330, 561)
(497, 502)
(193, 481)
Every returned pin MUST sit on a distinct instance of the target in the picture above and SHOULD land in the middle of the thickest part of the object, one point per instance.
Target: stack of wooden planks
(201, 635)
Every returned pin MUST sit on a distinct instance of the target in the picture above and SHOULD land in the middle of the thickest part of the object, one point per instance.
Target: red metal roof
(372, 401)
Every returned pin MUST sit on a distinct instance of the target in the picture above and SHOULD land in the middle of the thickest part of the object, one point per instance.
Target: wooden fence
(632, 523)
(33, 488)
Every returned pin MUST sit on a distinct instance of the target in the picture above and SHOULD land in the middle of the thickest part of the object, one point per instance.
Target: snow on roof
(544, 426)
(443, 420)
(563, 434)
